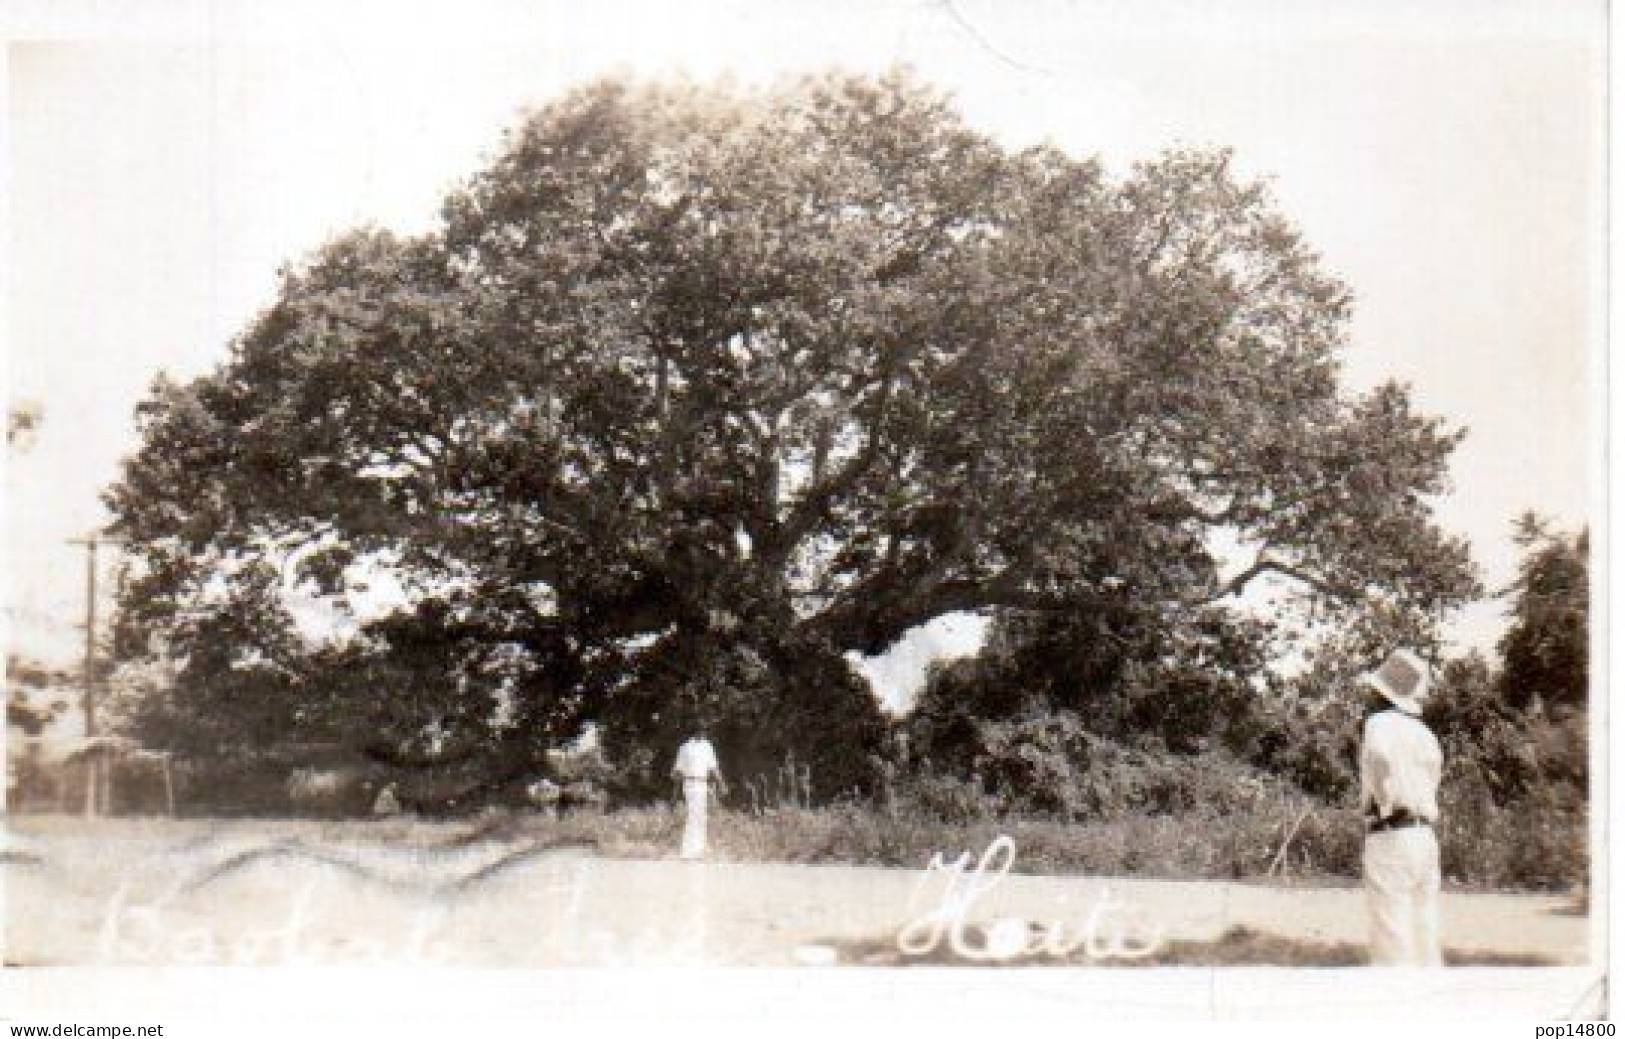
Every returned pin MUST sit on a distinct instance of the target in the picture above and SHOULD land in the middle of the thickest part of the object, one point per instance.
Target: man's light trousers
(1402, 897)
(696, 795)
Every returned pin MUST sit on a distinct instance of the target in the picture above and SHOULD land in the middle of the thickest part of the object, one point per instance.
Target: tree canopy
(30, 703)
(1545, 650)
(696, 390)
(22, 420)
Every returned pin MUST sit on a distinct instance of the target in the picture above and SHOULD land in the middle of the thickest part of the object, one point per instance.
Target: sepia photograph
(1059, 509)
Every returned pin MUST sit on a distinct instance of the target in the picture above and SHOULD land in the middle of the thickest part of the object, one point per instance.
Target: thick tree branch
(815, 499)
(1266, 564)
(876, 613)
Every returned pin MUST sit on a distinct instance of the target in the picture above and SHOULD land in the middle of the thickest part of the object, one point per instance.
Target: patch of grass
(1196, 843)
(1188, 845)
(1237, 947)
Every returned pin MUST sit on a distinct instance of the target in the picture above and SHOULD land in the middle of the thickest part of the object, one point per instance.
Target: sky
(166, 159)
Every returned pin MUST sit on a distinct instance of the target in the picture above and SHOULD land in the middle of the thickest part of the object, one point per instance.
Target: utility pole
(93, 779)
(88, 700)
(90, 636)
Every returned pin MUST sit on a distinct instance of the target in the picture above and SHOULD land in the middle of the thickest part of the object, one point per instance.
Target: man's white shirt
(696, 759)
(1400, 762)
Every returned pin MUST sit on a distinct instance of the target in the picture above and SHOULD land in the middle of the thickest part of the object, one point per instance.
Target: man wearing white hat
(1400, 762)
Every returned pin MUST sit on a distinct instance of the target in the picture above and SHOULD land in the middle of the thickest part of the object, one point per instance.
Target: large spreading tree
(695, 391)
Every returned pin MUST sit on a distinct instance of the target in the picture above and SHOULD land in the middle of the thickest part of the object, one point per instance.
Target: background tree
(29, 684)
(35, 694)
(698, 390)
(22, 421)
(1545, 649)
(1516, 739)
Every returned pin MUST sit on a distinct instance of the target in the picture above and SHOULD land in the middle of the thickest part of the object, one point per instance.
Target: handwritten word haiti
(1106, 932)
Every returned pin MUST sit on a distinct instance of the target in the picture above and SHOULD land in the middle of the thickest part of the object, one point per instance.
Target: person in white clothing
(1400, 762)
(697, 768)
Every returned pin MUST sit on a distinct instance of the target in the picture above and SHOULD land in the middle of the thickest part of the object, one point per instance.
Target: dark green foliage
(1545, 649)
(1187, 684)
(1312, 744)
(34, 694)
(22, 420)
(1080, 720)
(694, 391)
(1487, 742)
(1516, 791)
(1052, 766)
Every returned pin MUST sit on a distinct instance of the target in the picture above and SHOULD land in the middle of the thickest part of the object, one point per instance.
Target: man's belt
(1398, 820)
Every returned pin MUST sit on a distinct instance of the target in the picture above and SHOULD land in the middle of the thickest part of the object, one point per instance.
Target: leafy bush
(1310, 745)
(1537, 841)
(943, 798)
(1516, 784)
(1197, 844)
(1053, 767)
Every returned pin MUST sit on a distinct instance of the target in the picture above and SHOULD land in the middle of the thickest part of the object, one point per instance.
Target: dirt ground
(162, 892)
